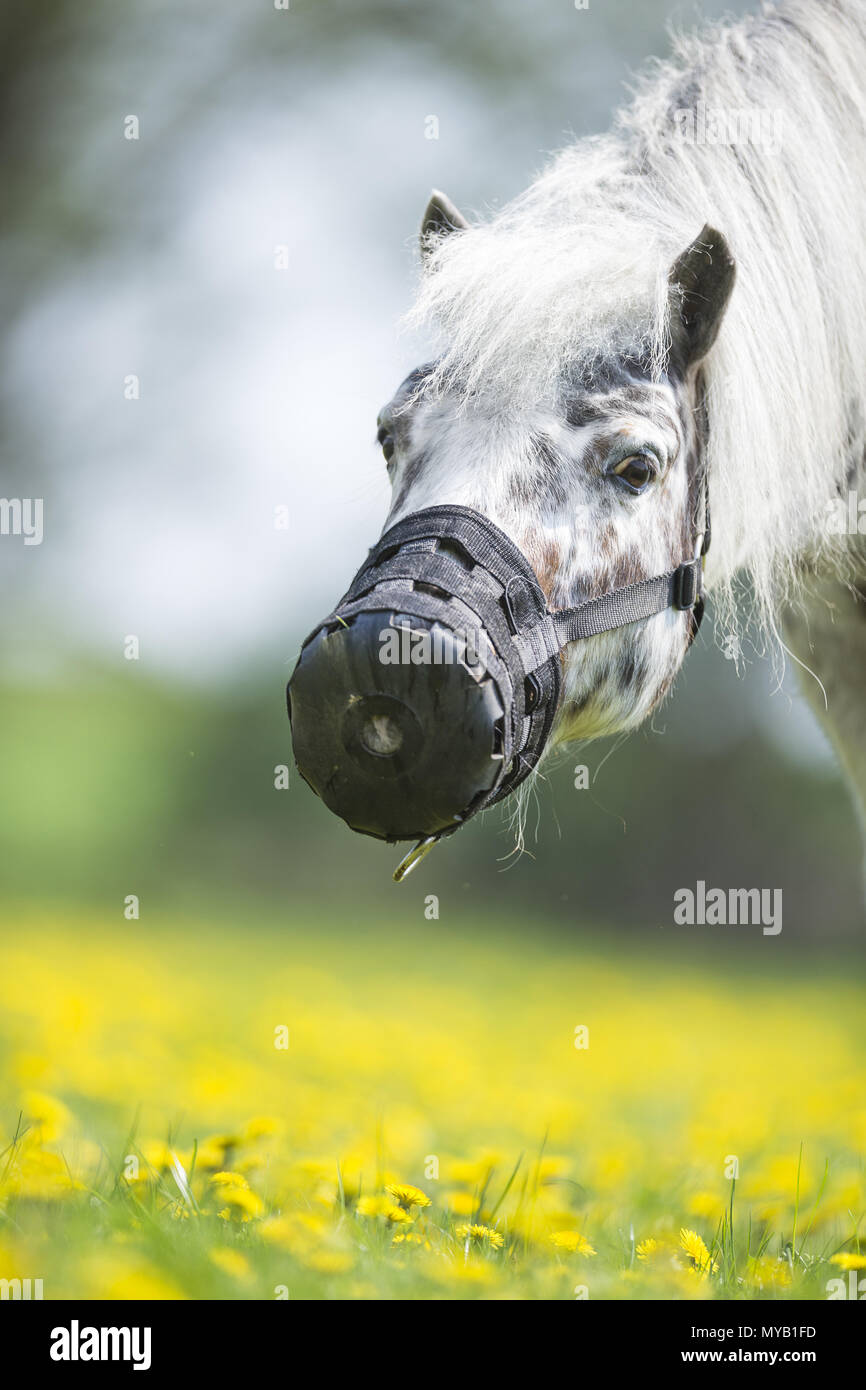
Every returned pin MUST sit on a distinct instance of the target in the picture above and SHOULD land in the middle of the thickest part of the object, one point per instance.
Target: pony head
(597, 476)
(538, 573)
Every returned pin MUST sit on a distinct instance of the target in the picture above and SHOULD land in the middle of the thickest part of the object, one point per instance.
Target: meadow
(224, 1108)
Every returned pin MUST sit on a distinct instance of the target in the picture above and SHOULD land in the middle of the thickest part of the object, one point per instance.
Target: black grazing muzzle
(430, 691)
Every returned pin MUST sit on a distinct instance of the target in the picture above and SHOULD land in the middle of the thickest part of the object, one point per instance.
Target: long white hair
(758, 128)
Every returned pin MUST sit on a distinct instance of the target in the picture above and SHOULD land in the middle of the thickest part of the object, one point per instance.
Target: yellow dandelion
(406, 1196)
(397, 1215)
(315, 1169)
(573, 1242)
(140, 1283)
(411, 1238)
(240, 1203)
(480, 1235)
(459, 1203)
(451, 1272)
(223, 1141)
(706, 1205)
(157, 1155)
(228, 1179)
(208, 1156)
(41, 1176)
(373, 1206)
(764, 1272)
(650, 1249)
(552, 1167)
(475, 1172)
(262, 1127)
(47, 1116)
(382, 1206)
(251, 1163)
(846, 1259)
(329, 1261)
(697, 1251)
(294, 1231)
(231, 1262)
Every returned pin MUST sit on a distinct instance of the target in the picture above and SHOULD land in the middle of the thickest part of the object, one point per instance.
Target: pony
(666, 332)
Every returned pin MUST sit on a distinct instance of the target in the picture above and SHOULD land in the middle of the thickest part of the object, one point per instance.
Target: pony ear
(441, 218)
(700, 280)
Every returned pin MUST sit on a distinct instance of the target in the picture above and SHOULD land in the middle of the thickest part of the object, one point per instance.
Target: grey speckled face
(598, 491)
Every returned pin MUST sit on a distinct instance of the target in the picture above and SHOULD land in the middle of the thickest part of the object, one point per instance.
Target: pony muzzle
(411, 706)
(400, 748)
(429, 693)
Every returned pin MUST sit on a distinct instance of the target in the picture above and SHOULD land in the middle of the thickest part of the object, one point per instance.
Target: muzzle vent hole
(422, 587)
(456, 551)
(499, 739)
(381, 735)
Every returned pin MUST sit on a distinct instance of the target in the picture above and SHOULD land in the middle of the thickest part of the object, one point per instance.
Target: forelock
(560, 282)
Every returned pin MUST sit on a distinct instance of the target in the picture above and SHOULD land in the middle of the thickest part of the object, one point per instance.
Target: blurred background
(201, 322)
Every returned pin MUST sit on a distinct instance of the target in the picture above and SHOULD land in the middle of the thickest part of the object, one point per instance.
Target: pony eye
(636, 470)
(387, 443)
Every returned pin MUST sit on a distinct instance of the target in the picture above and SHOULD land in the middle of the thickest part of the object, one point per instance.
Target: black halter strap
(679, 589)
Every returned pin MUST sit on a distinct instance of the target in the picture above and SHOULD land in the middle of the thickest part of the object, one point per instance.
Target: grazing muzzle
(430, 691)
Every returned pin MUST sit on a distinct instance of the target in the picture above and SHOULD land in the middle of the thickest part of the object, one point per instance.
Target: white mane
(576, 267)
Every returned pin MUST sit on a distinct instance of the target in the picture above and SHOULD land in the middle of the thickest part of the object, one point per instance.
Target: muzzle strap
(680, 589)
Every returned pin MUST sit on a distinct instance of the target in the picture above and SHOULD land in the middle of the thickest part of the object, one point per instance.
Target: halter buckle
(687, 585)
